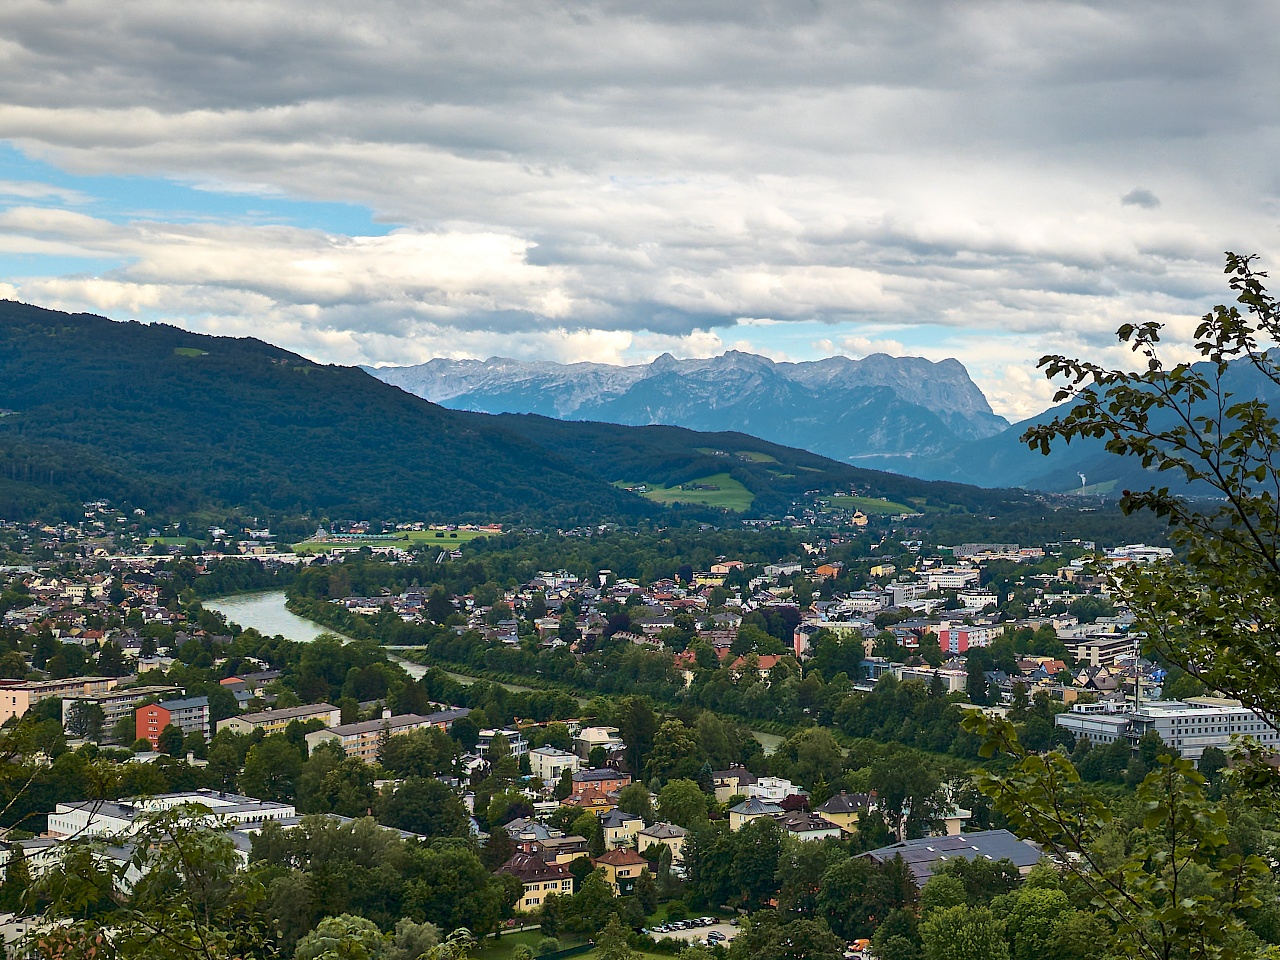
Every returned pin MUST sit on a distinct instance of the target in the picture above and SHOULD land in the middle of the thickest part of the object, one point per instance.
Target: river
(266, 612)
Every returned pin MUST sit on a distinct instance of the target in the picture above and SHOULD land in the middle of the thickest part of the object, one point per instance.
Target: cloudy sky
(384, 182)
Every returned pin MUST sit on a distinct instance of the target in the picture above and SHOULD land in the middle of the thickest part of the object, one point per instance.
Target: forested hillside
(172, 420)
(175, 421)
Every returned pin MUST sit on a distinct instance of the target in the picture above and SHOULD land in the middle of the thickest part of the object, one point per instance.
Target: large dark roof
(927, 855)
(847, 803)
(531, 868)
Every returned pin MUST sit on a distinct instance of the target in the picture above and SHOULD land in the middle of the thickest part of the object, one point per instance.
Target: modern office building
(88, 818)
(1190, 726)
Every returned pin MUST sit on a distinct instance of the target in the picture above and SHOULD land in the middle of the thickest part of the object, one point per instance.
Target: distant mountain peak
(840, 407)
(664, 363)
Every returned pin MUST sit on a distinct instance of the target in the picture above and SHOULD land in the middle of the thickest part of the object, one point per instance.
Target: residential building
(603, 779)
(952, 578)
(562, 850)
(361, 739)
(622, 868)
(189, 714)
(927, 855)
(774, 789)
(959, 637)
(588, 738)
(524, 831)
(748, 810)
(592, 798)
(620, 829)
(663, 835)
(846, 809)
(864, 601)
(549, 763)
(803, 825)
(903, 594)
(1102, 649)
(277, 721)
(953, 681)
(116, 704)
(978, 599)
(515, 741)
(19, 696)
(540, 879)
(732, 782)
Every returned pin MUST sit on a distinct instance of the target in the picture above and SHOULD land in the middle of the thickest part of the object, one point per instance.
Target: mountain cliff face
(851, 410)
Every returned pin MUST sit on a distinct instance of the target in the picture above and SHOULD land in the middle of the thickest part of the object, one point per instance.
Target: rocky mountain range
(856, 411)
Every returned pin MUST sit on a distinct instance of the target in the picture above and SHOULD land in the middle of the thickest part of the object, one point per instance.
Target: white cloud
(34, 190)
(613, 181)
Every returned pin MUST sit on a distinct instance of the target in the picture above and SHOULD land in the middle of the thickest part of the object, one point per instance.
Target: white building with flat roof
(89, 818)
(773, 789)
(1200, 722)
(1190, 726)
(952, 577)
(549, 763)
(1094, 721)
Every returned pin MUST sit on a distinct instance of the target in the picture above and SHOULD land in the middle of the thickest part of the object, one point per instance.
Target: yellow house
(620, 829)
(749, 810)
(663, 835)
(277, 721)
(563, 850)
(540, 879)
(622, 868)
(845, 810)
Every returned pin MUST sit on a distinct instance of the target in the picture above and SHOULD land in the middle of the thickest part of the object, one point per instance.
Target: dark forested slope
(170, 420)
(173, 420)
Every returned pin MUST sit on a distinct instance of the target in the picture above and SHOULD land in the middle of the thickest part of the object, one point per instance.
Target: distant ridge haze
(847, 409)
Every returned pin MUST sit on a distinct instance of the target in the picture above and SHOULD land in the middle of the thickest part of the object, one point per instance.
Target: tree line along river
(266, 612)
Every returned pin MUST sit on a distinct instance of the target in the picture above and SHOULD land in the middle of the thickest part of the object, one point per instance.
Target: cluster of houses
(633, 845)
(940, 599)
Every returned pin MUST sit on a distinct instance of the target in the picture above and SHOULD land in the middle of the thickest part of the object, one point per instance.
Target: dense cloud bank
(991, 181)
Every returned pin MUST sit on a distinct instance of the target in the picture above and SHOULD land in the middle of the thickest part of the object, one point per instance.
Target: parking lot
(696, 931)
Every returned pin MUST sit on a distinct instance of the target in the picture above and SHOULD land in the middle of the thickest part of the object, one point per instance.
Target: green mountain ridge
(172, 421)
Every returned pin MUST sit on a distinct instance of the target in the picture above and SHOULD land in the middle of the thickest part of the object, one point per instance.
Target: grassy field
(173, 541)
(871, 506)
(443, 536)
(405, 538)
(504, 947)
(731, 494)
